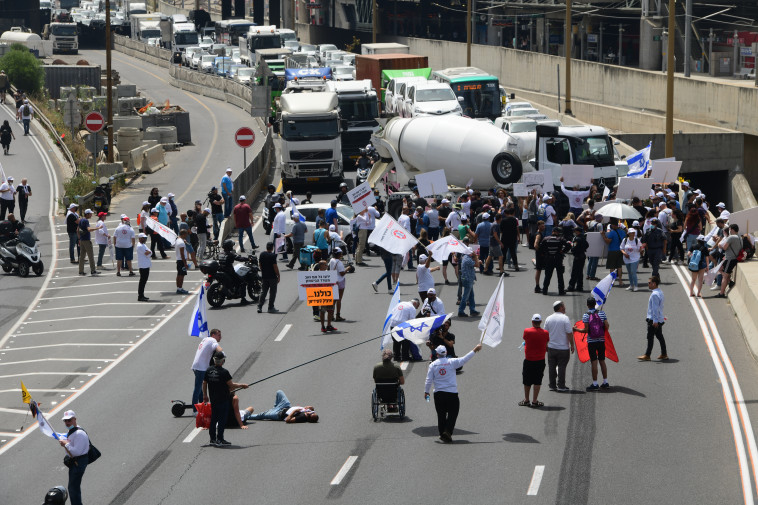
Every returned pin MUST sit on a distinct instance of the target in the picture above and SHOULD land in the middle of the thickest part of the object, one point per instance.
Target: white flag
(639, 162)
(162, 230)
(294, 202)
(198, 326)
(391, 236)
(493, 318)
(393, 303)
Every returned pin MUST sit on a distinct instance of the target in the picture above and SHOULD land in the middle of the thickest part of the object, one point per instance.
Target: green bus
(478, 92)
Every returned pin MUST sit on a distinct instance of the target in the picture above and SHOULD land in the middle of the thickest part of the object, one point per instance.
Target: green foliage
(354, 45)
(23, 68)
(79, 185)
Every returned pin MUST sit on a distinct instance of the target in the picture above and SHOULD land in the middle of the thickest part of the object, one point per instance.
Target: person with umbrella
(613, 236)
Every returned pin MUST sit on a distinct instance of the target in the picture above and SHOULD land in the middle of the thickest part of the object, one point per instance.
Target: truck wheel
(506, 168)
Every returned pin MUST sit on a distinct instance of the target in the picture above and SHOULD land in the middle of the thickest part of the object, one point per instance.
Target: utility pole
(687, 36)
(736, 57)
(670, 80)
(567, 49)
(600, 45)
(710, 50)
(109, 80)
(621, 35)
(468, 32)
(374, 21)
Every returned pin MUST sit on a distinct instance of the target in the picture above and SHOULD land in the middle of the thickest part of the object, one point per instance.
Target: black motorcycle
(222, 287)
(101, 197)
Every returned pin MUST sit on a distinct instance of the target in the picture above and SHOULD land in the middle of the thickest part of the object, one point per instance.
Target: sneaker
(376, 288)
(537, 289)
(714, 287)
(474, 313)
(331, 328)
(272, 310)
(118, 274)
(634, 289)
(132, 274)
(182, 292)
(261, 310)
(242, 249)
(605, 385)
(593, 387)
(223, 442)
(663, 357)
(629, 288)
(644, 357)
(563, 390)
(445, 437)
(93, 274)
(552, 388)
(462, 314)
(317, 318)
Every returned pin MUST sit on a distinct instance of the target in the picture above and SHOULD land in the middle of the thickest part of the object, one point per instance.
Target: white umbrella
(442, 248)
(619, 210)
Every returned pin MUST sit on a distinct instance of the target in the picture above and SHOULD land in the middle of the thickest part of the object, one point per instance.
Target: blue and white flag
(419, 330)
(493, 318)
(639, 162)
(603, 289)
(294, 202)
(386, 327)
(198, 326)
(44, 424)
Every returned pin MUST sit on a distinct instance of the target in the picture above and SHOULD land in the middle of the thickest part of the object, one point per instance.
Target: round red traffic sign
(245, 137)
(94, 122)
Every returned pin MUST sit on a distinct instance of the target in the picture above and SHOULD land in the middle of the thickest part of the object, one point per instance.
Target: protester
(469, 263)
(336, 265)
(539, 255)
(24, 191)
(6, 134)
(279, 229)
(85, 243)
(123, 241)
(559, 348)
(297, 234)
(26, 113)
(631, 248)
(595, 325)
(217, 387)
(203, 356)
(655, 320)
(731, 245)
(7, 197)
(201, 223)
(217, 211)
(698, 262)
(143, 263)
(155, 238)
(243, 220)
(227, 188)
(555, 247)
(269, 278)
(402, 312)
(613, 236)
(594, 226)
(387, 371)
(655, 245)
(181, 262)
(424, 277)
(440, 376)
(510, 237)
(284, 411)
(388, 264)
(101, 237)
(77, 445)
(443, 336)
(579, 246)
(533, 368)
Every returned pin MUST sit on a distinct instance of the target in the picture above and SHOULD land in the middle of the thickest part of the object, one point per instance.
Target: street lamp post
(670, 80)
(108, 79)
(621, 35)
(567, 49)
(468, 32)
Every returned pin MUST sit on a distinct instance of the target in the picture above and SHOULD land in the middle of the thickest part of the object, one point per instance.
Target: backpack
(542, 212)
(27, 110)
(654, 239)
(694, 264)
(596, 327)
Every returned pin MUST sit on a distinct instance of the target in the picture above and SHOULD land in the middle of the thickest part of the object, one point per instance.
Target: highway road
(666, 432)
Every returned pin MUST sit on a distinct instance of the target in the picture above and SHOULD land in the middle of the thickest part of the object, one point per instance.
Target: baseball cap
(546, 198)
(631, 230)
(721, 205)
(10, 178)
(69, 414)
(334, 202)
(486, 215)
(337, 250)
(636, 223)
(153, 211)
(197, 202)
(242, 197)
(685, 183)
(332, 227)
(218, 355)
(207, 210)
(423, 258)
(101, 214)
(171, 195)
(88, 211)
(701, 237)
(228, 169)
(470, 191)
(164, 200)
(556, 304)
(441, 350)
(445, 200)
(536, 317)
(431, 291)
(277, 205)
(296, 215)
(141, 235)
(659, 194)
(147, 203)
(124, 216)
(72, 206)
(464, 218)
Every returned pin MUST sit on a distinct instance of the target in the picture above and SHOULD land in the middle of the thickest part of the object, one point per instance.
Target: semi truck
(258, 37)
(371, 66)
(311, 148)
(184, 35)
(64, 36)
(359, 110)
(146, 26)
(466, 148)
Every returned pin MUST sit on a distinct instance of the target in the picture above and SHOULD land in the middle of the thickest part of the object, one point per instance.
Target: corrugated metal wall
(70, 75)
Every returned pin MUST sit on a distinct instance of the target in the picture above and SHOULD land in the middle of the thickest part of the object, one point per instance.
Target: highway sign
(94, 122)
(245, 137)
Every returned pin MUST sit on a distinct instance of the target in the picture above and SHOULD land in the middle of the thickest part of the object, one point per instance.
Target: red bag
(203, 419)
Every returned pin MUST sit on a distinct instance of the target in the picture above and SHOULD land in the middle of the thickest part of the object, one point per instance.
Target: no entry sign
(245, 137)
(94, 122)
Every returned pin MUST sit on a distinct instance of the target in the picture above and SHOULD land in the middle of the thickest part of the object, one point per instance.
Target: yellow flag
(25, 396)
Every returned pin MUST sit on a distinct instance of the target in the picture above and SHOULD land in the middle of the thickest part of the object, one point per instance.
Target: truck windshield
(186, 38)
(267, 42)
(63, 30)
(595, 151)
(151, 33)
(480, 99)
(317, 129)
(359, 109)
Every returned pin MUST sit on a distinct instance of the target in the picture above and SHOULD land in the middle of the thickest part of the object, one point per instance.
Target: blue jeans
(592, 266)
(468, 296)
(548, 230)
(73, 241)
(249, 231)
(219, 416)
(227, 204)
(631, 269)
(691, 241)
(273, 414)
(217, 220)
(26, 132)
(387, 272)
(197, 392)
(101, 253)
(75, 474)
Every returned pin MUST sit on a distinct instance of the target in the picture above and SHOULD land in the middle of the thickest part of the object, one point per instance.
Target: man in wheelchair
(387, 371)
(388, 378)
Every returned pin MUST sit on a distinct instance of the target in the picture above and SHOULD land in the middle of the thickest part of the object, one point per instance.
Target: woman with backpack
(698, 261)
(692, 226)
(6, 133)
(631, 248)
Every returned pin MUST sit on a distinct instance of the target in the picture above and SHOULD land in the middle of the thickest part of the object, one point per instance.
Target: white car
(187, 55)
(392, 104)
(525, 113)
(309, 49)
(348, 58)
(292, 45)
(244, 75)
(518, 105)
(206, 63)
(236, 59)
(154, 41)
(310, 211)
(206, 43)
(324, 48)
(430, 98)
(196, 58)
(343, 73)
(516, 125)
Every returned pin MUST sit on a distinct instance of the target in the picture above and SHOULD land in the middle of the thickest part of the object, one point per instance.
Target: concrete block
(126, 90)
(109, 169)
(126, 121)
(153, 160)
(135, 158)
(744, 301)
(148, 143)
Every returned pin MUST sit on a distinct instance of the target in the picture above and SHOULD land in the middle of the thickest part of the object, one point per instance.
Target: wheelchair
(388, 398)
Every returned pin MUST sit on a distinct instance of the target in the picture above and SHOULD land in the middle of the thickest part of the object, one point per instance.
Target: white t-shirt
(550, 213)
(123, 236)
(180, 247)
(632, 248)
(405, 221)
(558, 325)
(7, 195)
(425, 279)
(295, 409)
(372, 215)
(280, 223)
(338, 266)
(403, 311)
(143, 260)
(101, 233)
(453, 220)
(466, 207)
(203, 354)
(576, 198)
(23, 108)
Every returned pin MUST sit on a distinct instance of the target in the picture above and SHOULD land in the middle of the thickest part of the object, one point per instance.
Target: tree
(23, 68)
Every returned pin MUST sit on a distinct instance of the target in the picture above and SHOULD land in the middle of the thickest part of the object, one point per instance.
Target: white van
(430, 98)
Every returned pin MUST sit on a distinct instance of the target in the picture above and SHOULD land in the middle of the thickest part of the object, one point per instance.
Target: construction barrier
(153, 159)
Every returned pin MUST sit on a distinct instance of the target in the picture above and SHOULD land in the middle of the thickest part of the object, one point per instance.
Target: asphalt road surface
(666, 432)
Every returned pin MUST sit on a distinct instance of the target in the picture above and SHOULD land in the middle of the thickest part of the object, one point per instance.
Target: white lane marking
(89, 295)
(88, 374)
(6, 434)
(343, 471)
(283, 333)
(727, 392)
(52, 179)
(404, 365)
(79, 286)
(106, 222)
(14, 411)
(103, 330)
(16, 391)
(534, 485)
(90, 305)
(192, 435)
(42, 360)
(70, 344)
(94, 317)
(64, 404)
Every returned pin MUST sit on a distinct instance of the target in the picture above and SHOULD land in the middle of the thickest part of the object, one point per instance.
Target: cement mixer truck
(466, 149)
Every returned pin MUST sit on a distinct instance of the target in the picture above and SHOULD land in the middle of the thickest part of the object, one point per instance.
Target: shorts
(729, 266)
(495, 250)
(181, 269)
(614, 260)
(532, 372)
(189, 247)
(539, 262)
(323, 309)
(596, 350)
(397, 263)
(124, 253)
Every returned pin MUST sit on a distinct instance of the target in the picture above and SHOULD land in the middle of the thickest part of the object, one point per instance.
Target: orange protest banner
(320, 295)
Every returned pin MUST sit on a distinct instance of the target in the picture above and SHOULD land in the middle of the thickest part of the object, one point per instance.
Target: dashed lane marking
(282, 333)
(90, 305)
(534, 485)
(344, 470)
(192, 435)
(70, 344)
(42, 360)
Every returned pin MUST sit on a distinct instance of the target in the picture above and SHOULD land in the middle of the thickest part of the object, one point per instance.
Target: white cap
(536, 317)
(441, 350)
(431, 291)
(662, 204)
(228, 169)
(659, 194)
(141, 235)
(557, 303)
(69, 414)
(277, 205)
(445, 200)
(145, 203)
(88, 211)
(486, 215)
(332, 227)
(337, 250)
(470, 191)
(631, 230)
(296, 216)
(685, 183)
(72, 206)
(701, 237)
(164, 200)
(636, 223)
(124, 216)
(546, 198)
(171, 195)
(154, 209)
(720, 205)
(702, 195)
(423, 258)
(10, 177)
(207, 210)
(464, 217)
(242, 198)
(697, 191)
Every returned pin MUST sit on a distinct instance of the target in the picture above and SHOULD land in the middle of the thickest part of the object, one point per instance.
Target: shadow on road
(432, 431)
(520, 438)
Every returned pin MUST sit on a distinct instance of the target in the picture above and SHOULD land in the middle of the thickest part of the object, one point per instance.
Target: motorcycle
(101, 198)
(21, 254)
(222, 286)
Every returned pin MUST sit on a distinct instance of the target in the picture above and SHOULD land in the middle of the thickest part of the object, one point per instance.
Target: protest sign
(320, 296)
(431, 183)
(519, 189)
(316, 279)
(577, 175)
(541, 181)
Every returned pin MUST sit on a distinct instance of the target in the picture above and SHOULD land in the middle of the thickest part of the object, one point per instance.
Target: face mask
(653, 227)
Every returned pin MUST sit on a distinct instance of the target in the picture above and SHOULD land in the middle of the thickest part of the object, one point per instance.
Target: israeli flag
(418, 330)
(639, 162)
(603, 289)
(386, 327)
(198, 326)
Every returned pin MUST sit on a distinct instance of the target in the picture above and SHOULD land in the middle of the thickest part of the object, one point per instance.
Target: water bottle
(427, 398)
(521, 347)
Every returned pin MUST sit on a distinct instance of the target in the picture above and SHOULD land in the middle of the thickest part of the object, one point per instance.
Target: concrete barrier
(744, 301)
(109, 169)
(126, 121)
(134, 162)
(153, 159)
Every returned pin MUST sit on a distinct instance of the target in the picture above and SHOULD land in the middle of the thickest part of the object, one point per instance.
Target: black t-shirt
(217, 378)
(509, 230)
(216, 208)
(420, 202)
(266, 261)
(71, 224)
(476, 206)
(201, 222)
(444, 212)
(436, 341)
(21, 190)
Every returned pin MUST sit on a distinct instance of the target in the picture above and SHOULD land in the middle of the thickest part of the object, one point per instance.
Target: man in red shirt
(535, 340)
(243, 221)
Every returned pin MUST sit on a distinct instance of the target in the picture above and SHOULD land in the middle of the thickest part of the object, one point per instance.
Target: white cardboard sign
(538, 181)
(577, 175)
(317, 278)
(597, 246)
(519, 189)
(664, 171)
(629, 187)
(361, 197)
(431, 183)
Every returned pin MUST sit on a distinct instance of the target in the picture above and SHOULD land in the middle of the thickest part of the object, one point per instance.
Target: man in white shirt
(453, 220)
(180, 249)
(366, 224)
(724, 214)
(547, 203)
(336, 265)
(123, 241)
(202, 361)
(402, 312)
(26, 113)
(433, 306)
(77, 446)
(279, 228)
(560, 347)
(7, 197)
(576, 198)
(143, 263)
(424, 275)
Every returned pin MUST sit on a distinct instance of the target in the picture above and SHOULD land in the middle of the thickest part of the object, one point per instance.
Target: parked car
(431, 98)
